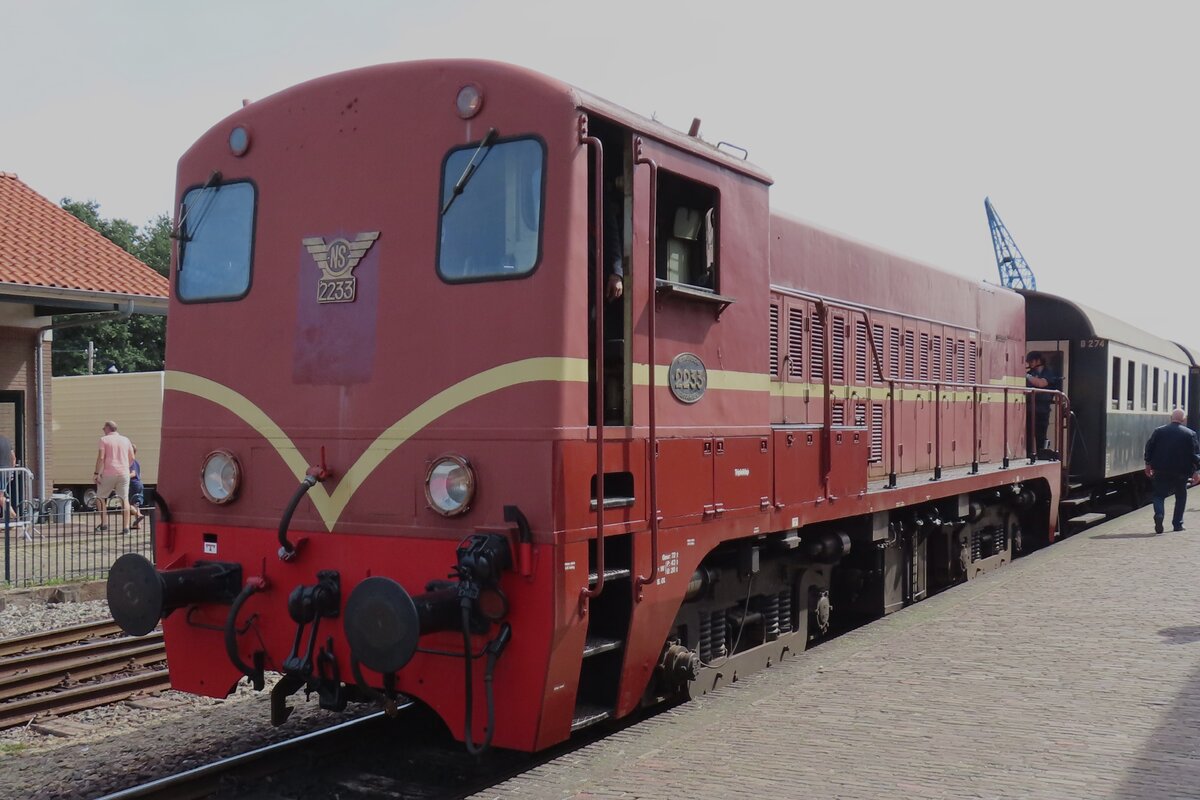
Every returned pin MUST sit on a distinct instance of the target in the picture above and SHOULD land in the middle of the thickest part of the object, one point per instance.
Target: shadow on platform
(1181, 634)
(1149, 535)
(1167, 766)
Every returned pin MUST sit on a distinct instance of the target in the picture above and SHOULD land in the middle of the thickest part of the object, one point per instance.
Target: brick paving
(1073, 673)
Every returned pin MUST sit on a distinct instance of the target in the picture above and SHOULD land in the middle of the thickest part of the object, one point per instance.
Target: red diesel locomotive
(415, 444)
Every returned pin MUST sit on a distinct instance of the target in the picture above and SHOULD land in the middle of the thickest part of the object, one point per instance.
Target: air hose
(252, 585)
(494, 648)
(287, 550)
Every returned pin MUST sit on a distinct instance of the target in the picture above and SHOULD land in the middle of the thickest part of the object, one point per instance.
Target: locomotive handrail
(1004, 463)
(652, 433)
(937, 431)
(827, 306)
(827, 369)
(975, 429)
(892, 437)
(878, 371)
(1061, 398)
(597, 222)
(1064, 426)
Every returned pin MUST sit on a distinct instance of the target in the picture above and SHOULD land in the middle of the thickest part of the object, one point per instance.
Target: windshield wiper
(470, 169)
(180, 232)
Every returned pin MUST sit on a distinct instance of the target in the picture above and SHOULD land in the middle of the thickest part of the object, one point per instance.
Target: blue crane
(1014, 269)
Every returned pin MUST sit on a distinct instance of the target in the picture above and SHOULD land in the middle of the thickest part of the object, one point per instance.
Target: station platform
(1071, 673)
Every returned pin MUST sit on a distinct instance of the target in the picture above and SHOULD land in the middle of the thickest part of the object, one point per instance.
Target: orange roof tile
(43, 245)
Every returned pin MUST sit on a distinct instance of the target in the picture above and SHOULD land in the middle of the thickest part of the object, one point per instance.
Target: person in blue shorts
(137, 492)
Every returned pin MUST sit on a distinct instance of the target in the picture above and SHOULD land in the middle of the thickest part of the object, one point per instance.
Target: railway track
(202, 781)
(40, 676)
(372, 757)
(58, 636)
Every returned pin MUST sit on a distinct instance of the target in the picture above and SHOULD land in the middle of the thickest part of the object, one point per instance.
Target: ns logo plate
(336, 261)
(687, 378)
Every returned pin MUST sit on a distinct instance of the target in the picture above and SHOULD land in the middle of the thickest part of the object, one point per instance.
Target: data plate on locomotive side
(336, 290)
(687, 378)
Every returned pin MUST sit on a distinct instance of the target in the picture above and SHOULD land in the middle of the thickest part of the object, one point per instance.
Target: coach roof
(1053, 317)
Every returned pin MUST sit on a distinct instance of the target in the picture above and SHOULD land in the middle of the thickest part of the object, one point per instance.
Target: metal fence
(58, 540)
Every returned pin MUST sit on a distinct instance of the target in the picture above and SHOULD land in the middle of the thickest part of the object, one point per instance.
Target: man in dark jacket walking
(1172, 456)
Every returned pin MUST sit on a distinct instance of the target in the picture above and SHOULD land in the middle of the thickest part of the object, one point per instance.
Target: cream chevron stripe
(717, 378)
(530, 370)
(331, 506)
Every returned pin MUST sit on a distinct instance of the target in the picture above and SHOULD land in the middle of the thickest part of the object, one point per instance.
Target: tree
(137, 344)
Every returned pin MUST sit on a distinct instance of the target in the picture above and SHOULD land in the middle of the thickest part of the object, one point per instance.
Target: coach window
(491, 210)
(1116, 383)
(687, 223)
(1154, 397)
(1145, 385)
(216, 242)
(1130, 376)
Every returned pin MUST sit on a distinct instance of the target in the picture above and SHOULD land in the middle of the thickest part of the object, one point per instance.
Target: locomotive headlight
(221, 477)
(450, 485)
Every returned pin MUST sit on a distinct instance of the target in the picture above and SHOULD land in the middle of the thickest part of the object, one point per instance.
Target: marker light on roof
(239, 141)
(469, 101)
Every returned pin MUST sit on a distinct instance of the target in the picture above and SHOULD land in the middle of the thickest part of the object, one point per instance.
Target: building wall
(17, 375)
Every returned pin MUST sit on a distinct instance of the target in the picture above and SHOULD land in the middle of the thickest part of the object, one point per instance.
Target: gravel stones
(23, 619)
(126, 744)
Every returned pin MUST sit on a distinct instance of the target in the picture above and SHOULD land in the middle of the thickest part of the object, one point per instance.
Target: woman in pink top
(112, 471)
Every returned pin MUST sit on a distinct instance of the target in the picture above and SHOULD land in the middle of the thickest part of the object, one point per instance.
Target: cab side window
(687, 225)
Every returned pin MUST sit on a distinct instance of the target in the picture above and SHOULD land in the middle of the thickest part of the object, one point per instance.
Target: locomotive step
(614, 574)
(596, 645)
(587, 714)
(1073, 502)
(614, 502)
(1086, 520)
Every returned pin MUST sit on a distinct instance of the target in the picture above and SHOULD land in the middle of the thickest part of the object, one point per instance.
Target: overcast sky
(890, 121)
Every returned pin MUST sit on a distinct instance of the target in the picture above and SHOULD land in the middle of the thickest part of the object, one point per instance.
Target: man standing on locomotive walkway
(112, 472)
(1039, 376)
(1172, 456)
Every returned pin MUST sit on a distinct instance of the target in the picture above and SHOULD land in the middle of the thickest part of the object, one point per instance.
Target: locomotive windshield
(216, 239)
(491, 227)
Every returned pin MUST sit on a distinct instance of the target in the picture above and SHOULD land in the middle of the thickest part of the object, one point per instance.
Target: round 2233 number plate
(687, 378)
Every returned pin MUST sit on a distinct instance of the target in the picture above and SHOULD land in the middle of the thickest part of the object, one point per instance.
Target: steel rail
(14, 664)
(75, 633)
(71, 668)
(80, 698)
(174, 785)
